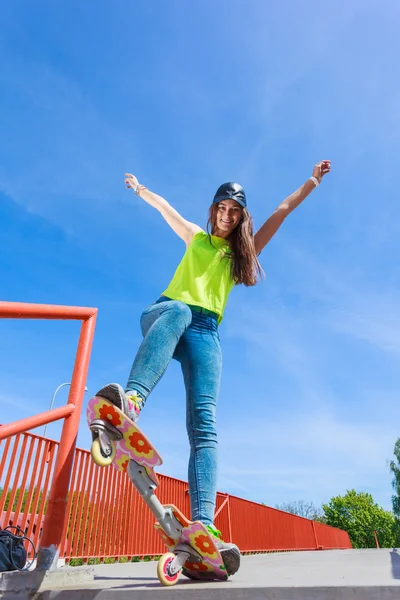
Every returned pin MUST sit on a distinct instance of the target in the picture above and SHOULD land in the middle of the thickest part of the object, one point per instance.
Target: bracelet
(315, 181)
(138, 189)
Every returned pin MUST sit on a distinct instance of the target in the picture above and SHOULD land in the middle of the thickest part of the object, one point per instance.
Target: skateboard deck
(133, 445)
(195, 534)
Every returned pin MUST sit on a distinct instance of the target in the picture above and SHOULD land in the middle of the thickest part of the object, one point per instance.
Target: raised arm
(185, 229)
(271, 225)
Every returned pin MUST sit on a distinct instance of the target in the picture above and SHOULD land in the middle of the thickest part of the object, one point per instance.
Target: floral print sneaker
(131, 403)
(230, 553)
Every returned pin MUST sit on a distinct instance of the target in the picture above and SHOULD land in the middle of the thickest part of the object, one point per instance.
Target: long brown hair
(245, 266)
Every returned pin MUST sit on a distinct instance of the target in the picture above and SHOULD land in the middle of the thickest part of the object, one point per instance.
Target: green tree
(395, 468)
(302, 509)
(24, 499)
(360, 516)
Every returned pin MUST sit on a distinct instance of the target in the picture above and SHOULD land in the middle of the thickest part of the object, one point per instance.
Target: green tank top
(203, 277)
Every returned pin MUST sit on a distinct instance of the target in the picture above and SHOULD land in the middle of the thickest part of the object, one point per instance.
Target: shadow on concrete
(143, 582)
(153, 582)
(395, 558)
(101, 577)
(129, 586)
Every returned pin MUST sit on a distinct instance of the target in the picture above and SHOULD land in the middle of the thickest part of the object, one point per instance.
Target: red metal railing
(106, 517)
(64, 501)
(57, 502)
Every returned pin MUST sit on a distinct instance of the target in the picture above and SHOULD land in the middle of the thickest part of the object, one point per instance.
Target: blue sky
(187, 96)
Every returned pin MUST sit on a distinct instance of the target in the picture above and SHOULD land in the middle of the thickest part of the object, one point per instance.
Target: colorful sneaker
(230, 553)
(131, 403)
(135, 404)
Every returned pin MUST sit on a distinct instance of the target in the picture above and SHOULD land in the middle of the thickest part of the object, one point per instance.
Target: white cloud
(63, 155)
(348, 303)
(312, 456)
(330, 423)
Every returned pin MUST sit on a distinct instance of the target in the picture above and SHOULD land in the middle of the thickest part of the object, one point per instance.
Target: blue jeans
(172, 329)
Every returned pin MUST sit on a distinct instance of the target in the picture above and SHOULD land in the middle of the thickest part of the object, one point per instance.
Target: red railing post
(257, 528)
(24, 425)
(317, 546)
(229, 521)
(56, 510)
(222, 506)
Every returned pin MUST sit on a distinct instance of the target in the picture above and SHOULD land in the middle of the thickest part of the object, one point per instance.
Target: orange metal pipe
(315, 535)
(34, 508)
(97, 529)
(221, 507)
(87, 480)
(75, 469)
(56, 511)
(124, 526)
(92, 510)
(22, 485)
(107, 513)
(36, 421)
(16, 475)
(77, 502)
(49, 452)
(26, 310)
(117, 523)
(31, 484)
(229, 521)
(6, 448)
(10, 472)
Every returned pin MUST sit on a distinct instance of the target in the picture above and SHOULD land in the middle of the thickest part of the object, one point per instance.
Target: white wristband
(315, 180)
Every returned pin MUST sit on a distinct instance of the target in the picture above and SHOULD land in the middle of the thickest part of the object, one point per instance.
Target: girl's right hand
(131, 181)
(181, 226)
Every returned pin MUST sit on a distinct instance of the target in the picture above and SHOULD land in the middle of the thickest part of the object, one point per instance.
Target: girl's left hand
(321, 169)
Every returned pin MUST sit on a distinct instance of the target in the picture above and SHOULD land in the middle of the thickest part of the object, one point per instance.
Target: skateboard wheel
(163, 572)
(98, 455)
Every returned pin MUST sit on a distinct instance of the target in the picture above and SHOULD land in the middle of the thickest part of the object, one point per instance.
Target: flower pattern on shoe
(132, 405)
(135, 402)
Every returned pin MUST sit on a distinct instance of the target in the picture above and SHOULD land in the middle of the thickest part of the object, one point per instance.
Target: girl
(183, 324)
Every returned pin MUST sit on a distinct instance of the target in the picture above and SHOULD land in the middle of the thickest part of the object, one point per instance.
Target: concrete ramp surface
(324, 575)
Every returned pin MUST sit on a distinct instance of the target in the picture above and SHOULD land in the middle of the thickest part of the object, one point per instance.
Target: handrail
(24, 425)
(27, 310)
(57, 505)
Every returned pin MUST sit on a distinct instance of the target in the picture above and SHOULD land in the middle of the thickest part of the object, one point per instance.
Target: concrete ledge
(326, 575)
(25, 583)
(280, 593)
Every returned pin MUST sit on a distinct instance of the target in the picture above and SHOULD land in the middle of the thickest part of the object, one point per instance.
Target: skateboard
(117, 440)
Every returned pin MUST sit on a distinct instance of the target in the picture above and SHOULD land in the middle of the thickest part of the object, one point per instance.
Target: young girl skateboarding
(183, 324)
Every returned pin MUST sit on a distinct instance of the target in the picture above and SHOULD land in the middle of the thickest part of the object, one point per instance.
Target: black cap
(230, 191)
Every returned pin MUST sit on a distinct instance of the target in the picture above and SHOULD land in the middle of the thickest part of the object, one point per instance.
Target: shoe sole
(231, 558)
(112, 394)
